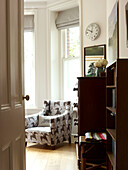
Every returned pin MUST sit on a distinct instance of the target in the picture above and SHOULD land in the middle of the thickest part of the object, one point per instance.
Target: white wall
(110, 4)
(55, 59)
(42, 68)
(93, 11)
(41, 59)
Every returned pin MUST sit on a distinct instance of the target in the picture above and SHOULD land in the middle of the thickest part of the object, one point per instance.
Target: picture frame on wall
(113, 32)
(91, 55)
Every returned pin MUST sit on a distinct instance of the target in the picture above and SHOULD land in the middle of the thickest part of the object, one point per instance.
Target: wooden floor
(43, 158)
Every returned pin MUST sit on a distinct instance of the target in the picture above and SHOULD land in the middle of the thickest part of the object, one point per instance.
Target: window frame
(64, 58)
(32, 12)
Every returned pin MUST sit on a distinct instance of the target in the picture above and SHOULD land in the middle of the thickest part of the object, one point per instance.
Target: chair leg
(25, 144)
(69, 139)
(53, 147)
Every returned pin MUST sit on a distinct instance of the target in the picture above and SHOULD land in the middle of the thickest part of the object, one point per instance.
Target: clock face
(92, 31)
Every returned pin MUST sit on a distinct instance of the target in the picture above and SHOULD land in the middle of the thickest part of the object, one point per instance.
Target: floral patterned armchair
(52, 125)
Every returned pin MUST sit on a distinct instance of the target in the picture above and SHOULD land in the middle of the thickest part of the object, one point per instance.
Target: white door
(12, 145)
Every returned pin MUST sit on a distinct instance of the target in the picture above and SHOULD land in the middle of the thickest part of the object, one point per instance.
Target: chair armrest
(63, 119)
(31, 120)
(56, 120)
(60, 126)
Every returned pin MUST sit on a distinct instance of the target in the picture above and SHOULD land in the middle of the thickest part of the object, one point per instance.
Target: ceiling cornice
(35, 5)
(57, 5)
(62, 5)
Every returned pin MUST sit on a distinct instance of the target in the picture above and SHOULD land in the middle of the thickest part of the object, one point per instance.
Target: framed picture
(91, 55)
(113, 33)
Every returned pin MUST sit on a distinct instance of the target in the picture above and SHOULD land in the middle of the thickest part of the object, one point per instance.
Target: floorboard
(40, 157)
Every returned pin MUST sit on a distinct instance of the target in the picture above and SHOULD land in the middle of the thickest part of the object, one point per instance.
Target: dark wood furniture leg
(53, 147)
(69, 139)
(83, 160)
(25, 144)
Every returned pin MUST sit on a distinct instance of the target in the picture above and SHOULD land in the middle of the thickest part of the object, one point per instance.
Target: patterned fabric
(92, 136)
(31, 121)
(100, 136)
(59, 130)
(38, 135)
(43, 122)
(46, 108)
(58, 107)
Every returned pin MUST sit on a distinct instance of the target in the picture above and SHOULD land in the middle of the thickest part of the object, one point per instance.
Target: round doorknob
(26, 97)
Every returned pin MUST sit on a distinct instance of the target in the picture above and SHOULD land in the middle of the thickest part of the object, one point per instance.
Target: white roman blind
(28, 22)
(68, 18)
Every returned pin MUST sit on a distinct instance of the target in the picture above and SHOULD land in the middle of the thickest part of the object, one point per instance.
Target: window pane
(73, 42)
(29, 68)
(71, 72)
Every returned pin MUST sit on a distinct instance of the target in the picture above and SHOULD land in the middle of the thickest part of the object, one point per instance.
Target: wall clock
(92, 31)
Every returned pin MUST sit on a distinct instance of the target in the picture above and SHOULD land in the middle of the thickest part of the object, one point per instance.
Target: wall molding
(53, 6)
(35, 5)
(62, 5)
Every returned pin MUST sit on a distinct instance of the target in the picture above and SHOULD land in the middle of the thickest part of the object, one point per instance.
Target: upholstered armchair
(52, 125)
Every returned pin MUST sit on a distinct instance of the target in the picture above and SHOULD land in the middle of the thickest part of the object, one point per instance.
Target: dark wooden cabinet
(91, 105)
(117, 114)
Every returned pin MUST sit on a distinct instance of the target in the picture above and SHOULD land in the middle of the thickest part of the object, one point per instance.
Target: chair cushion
(43, 122)
(58, 107)
(46, 108)
(31, 121)
(67, 105)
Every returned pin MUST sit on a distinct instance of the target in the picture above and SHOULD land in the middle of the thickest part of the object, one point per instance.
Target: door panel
(12, 117)
(18, 143)
(16, 42)
(4, 51)
(6, 157)
(16, 54)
